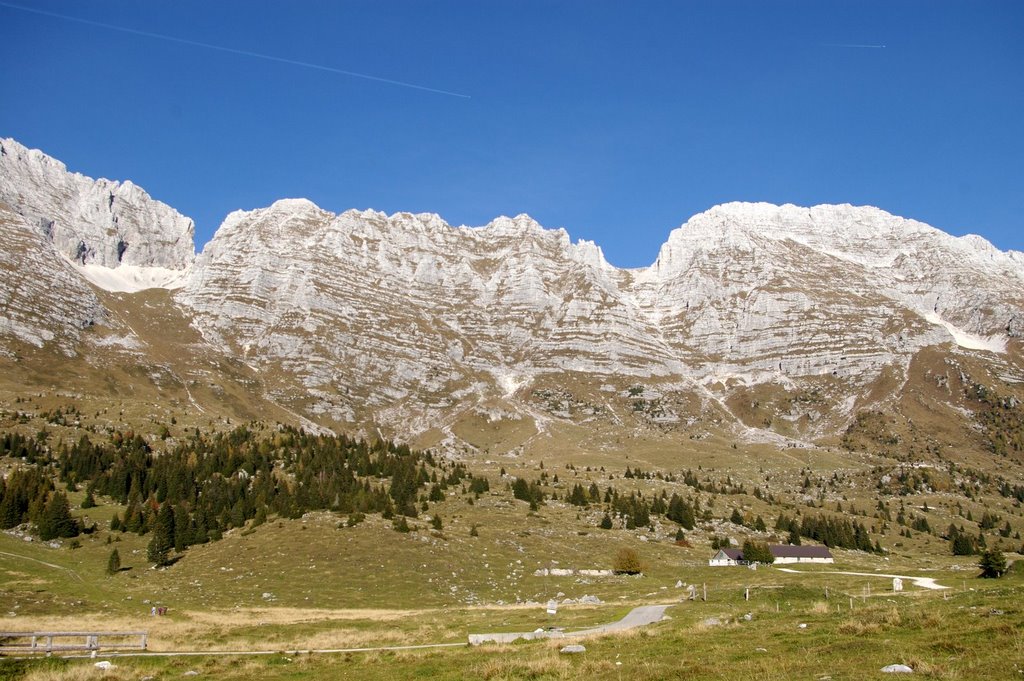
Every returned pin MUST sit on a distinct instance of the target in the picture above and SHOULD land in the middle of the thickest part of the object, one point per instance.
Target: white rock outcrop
(93, 222)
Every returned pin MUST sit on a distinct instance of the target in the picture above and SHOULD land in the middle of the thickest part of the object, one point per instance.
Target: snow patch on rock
(970, 341)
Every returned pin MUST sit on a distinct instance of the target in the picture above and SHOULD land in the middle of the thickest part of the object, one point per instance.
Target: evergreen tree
(757, 552)
(993, 564)
(578, 497)
(606, 522)
(963, 545)
(89, 501)
(56, 520)
(114, 563)
(162, 542)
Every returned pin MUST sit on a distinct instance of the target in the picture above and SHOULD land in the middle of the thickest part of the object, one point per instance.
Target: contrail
(231, 50)
(853, 45)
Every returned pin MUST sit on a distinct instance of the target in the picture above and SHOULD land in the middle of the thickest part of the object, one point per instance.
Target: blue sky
(615, 120)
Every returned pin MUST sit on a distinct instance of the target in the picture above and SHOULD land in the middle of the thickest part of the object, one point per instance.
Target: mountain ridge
(362, 318)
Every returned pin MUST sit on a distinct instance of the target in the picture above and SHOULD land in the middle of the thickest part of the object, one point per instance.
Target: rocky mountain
(96, 222)
(406, 323)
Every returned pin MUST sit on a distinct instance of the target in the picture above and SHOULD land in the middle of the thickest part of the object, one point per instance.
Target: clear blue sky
(615, 120)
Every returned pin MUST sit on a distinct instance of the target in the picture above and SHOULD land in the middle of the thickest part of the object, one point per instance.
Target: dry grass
(248, 616)
(275, 628)
(820, 608)
(84, 672)
(550, 666)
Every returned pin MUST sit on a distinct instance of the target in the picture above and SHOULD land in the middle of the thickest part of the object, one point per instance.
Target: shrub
(627, 562)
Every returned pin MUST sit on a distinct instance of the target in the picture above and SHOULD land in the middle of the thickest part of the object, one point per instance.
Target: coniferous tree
(89, 501)
(993, 564)
(114, 563)
(160, 545)
(56, 520)
(963, 545)
(757, 552)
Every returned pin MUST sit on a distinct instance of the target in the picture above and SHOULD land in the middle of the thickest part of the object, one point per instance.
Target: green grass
(959, 635)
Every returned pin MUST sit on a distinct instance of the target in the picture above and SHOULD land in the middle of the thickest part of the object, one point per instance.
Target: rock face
(93, 222)
(415, 307)
(838, 290)
(409, 319)
(42, 298)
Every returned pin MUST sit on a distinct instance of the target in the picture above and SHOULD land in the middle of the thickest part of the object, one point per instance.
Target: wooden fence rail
(57, 641)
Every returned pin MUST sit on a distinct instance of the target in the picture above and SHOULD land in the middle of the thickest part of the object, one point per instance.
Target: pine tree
(89, 501)
(993, 564)
(163, 536)
(606, 522)
(757, 552)
(963, 545)
(114, 563)
(56, 520)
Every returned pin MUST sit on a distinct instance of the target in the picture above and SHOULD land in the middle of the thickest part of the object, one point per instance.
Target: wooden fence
(59, 641)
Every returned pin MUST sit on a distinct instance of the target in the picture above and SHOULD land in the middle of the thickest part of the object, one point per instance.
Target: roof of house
(787, 551)
(782, 551)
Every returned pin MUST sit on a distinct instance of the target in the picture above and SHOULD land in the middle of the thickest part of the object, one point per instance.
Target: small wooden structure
(49, 642)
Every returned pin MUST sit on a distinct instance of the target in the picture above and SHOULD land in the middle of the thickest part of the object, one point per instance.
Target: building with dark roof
(783, 553)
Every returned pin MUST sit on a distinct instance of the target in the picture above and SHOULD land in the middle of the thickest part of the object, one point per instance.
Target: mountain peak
(93, 222)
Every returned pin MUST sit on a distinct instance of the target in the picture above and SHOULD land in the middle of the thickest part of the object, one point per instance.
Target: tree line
(210, 483)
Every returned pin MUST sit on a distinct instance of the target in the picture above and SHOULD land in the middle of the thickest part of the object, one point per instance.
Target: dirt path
(637, 617)
(923, 582)
(43, 562)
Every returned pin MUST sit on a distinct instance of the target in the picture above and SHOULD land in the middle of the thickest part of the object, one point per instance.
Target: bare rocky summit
(93, 222)
(363, 318)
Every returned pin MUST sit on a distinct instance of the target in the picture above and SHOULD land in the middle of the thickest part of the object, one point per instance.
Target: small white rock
(575, 648)
(897, 669)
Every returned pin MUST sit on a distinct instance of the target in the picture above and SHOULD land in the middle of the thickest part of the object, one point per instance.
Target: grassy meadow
(319, 583)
